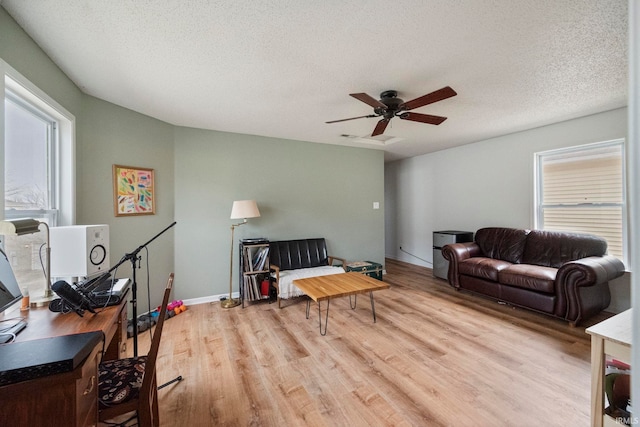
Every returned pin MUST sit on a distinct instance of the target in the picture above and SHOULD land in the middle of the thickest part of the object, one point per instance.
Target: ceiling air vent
(380, 140)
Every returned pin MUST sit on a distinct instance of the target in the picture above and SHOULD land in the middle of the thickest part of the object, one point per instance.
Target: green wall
(115, 135)
(303, 190)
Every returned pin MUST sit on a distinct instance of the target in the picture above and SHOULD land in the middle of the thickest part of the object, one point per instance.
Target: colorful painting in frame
(133, 191)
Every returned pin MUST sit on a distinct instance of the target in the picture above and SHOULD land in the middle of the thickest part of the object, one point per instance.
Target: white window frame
(538, 179)
(63, 156)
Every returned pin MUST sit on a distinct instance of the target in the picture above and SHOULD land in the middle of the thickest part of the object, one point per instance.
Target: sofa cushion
(502, 243)
(533, 277)
(485, 268)
(554, 248)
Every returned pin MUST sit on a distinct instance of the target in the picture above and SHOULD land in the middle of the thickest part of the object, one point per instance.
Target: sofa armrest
(331, 259)
(590, 271)
(276, 271)
(456, 252)
(583, 284)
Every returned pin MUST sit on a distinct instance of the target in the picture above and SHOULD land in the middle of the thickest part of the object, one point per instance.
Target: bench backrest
(295, 254)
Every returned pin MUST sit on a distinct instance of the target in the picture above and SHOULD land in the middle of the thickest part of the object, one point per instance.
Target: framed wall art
(133, 191)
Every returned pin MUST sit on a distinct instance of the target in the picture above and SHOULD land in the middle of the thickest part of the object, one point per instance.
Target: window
(29, 190)
(582, 189)
(30, 170)
(37, 145)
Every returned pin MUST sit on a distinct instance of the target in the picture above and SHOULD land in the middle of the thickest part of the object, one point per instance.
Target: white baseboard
(209, 299)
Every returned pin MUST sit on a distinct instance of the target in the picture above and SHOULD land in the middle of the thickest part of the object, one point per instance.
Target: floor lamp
(19, 227)
(241, 209)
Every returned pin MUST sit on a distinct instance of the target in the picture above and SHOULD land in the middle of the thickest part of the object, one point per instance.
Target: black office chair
(127, 385)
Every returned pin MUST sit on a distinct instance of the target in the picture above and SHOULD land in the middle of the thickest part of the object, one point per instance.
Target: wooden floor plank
(435, 357)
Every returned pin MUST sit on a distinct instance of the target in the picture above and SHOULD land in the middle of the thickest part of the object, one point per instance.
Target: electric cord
(148, 271)
(113, 282)
(17, 320)
(415, 256)
(148, 283)
(3, 331)
(44, 269)
(13, 336)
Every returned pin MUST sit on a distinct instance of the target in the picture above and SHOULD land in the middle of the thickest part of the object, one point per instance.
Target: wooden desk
(322, 288)
(71, 398)
(610, 337)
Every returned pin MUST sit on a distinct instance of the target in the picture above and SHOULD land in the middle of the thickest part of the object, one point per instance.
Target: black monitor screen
(9, 289)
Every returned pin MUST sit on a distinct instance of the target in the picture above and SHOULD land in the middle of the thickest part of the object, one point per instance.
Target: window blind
(582, 190)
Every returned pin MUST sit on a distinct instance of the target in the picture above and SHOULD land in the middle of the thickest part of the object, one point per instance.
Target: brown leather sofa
(565, 275)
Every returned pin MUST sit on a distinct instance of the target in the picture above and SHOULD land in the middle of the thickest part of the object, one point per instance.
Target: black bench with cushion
(299, 259)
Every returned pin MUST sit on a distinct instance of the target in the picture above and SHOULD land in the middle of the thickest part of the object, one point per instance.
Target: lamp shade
(244, 209)
(19, 227)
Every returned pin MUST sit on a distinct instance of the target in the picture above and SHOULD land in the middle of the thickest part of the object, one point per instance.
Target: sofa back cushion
(295, 254)
(506, 244)
(554, 248)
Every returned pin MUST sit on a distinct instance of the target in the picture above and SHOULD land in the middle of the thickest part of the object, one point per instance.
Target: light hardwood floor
(435, 357)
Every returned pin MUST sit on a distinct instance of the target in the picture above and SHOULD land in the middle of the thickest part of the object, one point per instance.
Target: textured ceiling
(281, 68)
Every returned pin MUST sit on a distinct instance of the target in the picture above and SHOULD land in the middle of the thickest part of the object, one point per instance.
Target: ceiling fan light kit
(390, 106)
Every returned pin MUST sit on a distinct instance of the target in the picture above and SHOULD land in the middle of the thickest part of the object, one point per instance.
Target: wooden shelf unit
(254, 268)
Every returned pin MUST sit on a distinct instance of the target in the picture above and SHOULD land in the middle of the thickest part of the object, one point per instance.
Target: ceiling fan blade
(352, 118)
(423, 118)
(368, 100)
(380, 127)
(430, 98)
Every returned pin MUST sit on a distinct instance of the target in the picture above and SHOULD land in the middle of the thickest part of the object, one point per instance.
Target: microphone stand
(133, 257)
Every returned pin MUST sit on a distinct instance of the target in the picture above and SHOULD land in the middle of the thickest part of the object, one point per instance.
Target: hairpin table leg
(326, 319)
(373, 308)
(355, 302)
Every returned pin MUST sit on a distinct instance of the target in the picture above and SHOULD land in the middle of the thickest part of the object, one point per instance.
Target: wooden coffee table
(338, 285)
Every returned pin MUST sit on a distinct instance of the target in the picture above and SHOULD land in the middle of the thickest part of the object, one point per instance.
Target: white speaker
(79, 250)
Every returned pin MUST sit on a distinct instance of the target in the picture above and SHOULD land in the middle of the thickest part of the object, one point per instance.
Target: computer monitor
(9, 289)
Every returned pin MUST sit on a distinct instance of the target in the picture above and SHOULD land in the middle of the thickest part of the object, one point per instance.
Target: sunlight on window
(582, 190)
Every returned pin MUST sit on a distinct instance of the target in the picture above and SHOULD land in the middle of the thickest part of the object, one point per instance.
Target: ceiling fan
(390, 106)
